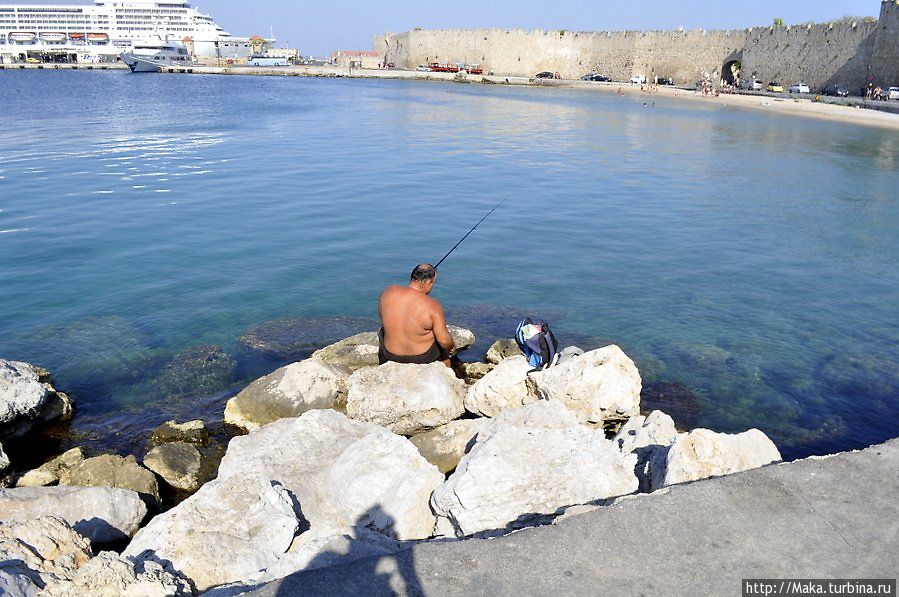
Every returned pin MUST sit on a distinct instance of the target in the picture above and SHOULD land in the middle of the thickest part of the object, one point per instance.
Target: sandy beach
(784, 105)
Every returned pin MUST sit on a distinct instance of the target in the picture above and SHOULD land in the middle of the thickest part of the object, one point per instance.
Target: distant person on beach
(413, 325)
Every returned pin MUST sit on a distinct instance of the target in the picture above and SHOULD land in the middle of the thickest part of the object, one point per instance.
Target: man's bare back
(414, 325)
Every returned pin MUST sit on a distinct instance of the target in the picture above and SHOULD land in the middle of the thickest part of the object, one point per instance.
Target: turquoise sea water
(746, 261)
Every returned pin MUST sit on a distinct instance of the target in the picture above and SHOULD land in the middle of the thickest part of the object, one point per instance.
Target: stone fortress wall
(849, 53)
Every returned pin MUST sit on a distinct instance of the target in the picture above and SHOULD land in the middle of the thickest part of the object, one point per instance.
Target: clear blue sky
(319, 27)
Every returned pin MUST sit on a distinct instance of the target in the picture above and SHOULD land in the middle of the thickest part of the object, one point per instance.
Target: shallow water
(745, 260)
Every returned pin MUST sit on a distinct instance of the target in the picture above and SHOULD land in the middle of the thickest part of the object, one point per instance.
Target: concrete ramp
(832, 517)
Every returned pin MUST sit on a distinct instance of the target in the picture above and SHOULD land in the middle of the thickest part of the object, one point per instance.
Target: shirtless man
(413, 324)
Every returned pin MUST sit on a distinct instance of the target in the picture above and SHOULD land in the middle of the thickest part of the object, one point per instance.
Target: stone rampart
(846, 52)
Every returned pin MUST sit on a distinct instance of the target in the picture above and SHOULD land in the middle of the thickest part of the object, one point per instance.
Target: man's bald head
(423, 272)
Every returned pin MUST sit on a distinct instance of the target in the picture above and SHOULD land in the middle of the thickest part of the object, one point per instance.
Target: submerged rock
(37, 554)
(113, 471)
(446, 445)
(180, 464)
(531, 461)
(407, 399)
(50, 472)
(288, 392)
(110, 575)
(27, 398)
(197, 371)
(193, 432)
(229, 530)
(503, 388)
(703, 453)
(674, 398)
(296, 338)
(600, 386)
(102, 514)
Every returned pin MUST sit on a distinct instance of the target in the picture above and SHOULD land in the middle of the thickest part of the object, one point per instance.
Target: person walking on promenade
(413, 325)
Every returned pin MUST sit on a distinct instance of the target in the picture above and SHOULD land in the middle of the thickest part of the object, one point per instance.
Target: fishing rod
(456, 246)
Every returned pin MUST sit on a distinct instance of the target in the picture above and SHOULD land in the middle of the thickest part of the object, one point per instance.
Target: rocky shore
(342, 459)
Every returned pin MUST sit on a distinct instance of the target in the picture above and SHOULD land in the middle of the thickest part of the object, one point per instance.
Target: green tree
(778, 22)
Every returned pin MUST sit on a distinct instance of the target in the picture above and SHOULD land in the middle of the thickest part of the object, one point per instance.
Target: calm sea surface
(746, 261)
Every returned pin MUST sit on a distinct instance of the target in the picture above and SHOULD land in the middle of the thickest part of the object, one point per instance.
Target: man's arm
(441, 334)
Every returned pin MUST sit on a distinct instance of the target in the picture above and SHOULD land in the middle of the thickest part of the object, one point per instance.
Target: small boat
(53, 37)
(98, 37)
(24, 37)
(152, 56)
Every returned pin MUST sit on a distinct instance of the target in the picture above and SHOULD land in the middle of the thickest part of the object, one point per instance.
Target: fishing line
(456, 246)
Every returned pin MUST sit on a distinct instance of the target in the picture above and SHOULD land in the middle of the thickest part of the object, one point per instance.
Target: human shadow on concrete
(368, 567)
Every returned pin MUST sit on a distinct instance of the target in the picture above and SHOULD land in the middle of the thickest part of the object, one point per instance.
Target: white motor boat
(153, 56)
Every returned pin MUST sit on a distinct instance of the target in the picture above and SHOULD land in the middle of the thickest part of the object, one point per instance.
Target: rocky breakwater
(346, 459)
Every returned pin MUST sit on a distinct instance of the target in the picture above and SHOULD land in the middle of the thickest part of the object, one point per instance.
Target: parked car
(588, 77)
(800, 88)
(601, 78)
(892, 93)
(391, 65)
(638, 80)
(594, 77)
(423, 68)
(775, 87)
(665, 81)
(545, 75)
(753, 85)
(836, 91)
(32, 60)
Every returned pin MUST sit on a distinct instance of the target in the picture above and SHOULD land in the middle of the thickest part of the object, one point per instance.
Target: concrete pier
(832, 517)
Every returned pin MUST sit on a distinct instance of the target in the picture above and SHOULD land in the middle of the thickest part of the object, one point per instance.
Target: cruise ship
(103, 30)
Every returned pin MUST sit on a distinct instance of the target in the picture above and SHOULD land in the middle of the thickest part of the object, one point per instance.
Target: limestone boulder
(110, 575)
(28, 398)
(703, 453)
(406, 399)
(343, 473)
(49, 472)
(231, 529)
(113, 471)
(531, 461)
(288, 392)
(192, 432)
(649, 438)
(38, 553)
(462, 338)
(180, 464)
(351, 354)
(501, 350)
(471, 372)
(600, 386)
(102, 514)
(445, 446)
(503, 388)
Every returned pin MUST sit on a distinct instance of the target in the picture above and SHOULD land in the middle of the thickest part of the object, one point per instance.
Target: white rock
(288, 392)
(351, 354)
(407, 399)
(445, 446)
(346, 474)
(534, 460)
(38, 553)
(599, 386)
(649, 438)
(110, 575)
(703, 453)
(4, 460)
(102, 514)
(502, 350)
(462, 338)
(503, 388)
(27, 398)
(231, 529)
(656, 429)
(50, 472)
